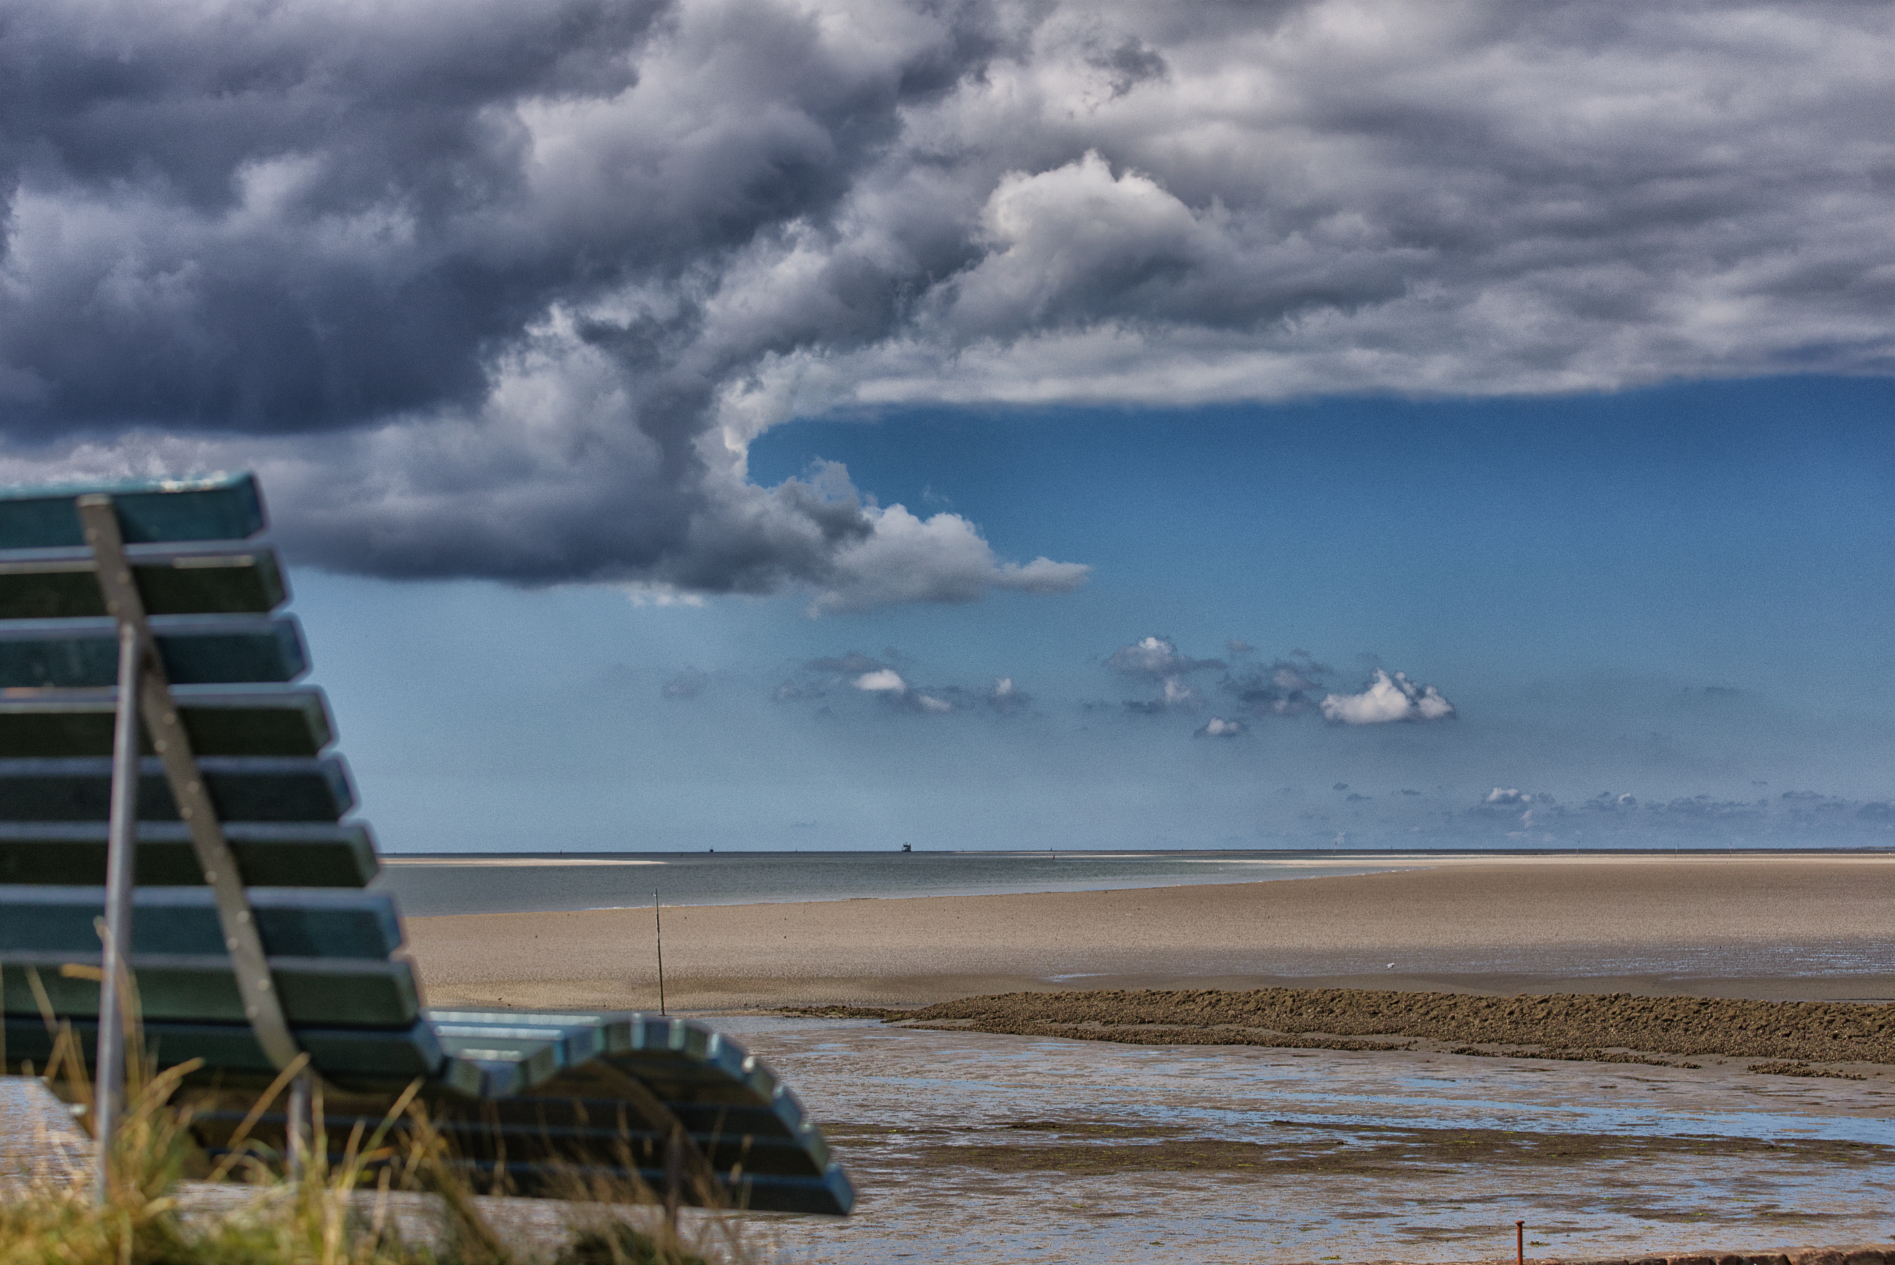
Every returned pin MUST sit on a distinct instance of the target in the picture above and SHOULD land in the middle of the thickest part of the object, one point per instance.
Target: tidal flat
(975, 1146)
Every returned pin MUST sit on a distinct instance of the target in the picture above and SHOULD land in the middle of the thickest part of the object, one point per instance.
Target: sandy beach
(1214, 1127)
(1769, 926)
(1180, 1135)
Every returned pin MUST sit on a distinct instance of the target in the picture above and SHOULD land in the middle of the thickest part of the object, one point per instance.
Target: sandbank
(1776, 926)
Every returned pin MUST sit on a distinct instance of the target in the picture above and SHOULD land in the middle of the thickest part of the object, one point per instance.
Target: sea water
(528, 883)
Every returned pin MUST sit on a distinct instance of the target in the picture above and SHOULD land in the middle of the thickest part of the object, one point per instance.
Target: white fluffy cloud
(1388, 698)
(942, 558)
(882, 680)
(507, 290)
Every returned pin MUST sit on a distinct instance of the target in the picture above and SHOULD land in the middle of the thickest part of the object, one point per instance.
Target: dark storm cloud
(290, 218)
(505, 290)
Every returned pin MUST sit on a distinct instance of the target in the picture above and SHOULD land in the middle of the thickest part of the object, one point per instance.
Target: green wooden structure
(171, 812)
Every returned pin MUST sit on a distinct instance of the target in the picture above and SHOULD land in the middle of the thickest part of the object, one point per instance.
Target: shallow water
(1667, 1157)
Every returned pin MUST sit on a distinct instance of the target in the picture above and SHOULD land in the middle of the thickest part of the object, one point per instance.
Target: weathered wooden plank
(577, 1042)
(388, 1057)
(278, 723)
(551, 1136)
(234, 650)
(297, 854)
(181, 584)
(222, 507)
(243, 789)
(315, 991)
(549, 1124)
(183, 920)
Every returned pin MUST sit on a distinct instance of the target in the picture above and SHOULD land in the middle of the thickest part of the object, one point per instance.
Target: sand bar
(1744, 925)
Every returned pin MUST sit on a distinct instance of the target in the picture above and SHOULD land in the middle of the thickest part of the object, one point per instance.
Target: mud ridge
(1785, 1036)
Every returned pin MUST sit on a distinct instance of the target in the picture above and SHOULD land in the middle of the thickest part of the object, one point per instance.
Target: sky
(836, 425)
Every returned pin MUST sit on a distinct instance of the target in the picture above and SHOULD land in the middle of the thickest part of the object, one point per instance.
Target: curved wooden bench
(215, 835)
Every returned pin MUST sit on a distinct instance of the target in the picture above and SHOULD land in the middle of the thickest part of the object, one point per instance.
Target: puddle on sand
(975, 1147)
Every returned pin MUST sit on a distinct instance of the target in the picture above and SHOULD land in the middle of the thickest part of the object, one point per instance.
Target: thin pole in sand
(658, 923)
(1520, 1242)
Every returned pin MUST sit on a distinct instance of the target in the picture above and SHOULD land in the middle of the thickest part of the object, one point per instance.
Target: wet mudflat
(983, 1147)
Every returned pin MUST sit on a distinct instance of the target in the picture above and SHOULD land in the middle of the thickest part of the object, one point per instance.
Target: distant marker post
(658, 925)
(1520, 1242)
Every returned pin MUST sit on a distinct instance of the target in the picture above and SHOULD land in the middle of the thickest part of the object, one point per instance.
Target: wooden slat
(554, 1129)
(383, 1057)
(233, 650)
(575, 1043)
(243, 789)
(315, 991)
(183, 920)
(151, 512)
(525, 1063)
(44, 724)
(299, 854)
(184, 584)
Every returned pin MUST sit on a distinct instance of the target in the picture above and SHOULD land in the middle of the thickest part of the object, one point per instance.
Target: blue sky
(1665, 593)
(1007, 423)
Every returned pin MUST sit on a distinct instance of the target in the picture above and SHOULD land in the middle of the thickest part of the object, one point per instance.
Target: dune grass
(342, 1210)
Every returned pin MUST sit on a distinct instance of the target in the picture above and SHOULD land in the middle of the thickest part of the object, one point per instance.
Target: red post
(1520, 1242)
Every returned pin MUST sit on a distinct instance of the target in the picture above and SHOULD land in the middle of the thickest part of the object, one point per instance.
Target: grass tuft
(340, 1210)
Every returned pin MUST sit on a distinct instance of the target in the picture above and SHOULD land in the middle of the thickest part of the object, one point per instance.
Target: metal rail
(144, 693)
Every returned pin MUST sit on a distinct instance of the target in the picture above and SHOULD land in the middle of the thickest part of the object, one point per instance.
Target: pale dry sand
(1772, 926)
